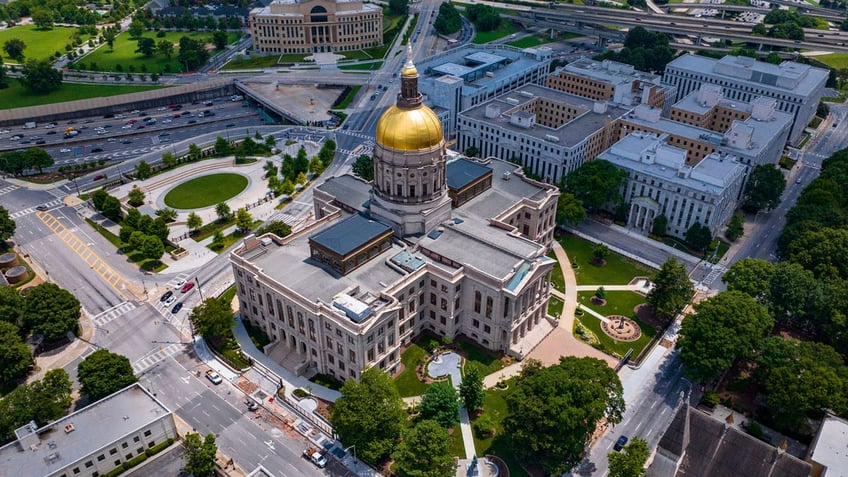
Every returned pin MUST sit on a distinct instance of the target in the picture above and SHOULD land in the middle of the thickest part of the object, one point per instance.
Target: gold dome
(409, 70)
(409, 129)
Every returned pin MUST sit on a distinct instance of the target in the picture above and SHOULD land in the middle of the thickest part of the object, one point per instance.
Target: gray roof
(95, 426)
(831, 446)
(569, 134)
(608, 71)
(349, 234)
(348, 189)
(462, 172)
(716, 450)
(475, 245)
(788, 77)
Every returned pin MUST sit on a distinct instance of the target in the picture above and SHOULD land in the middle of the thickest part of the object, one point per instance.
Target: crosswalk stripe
(8, 189)
(21, 213)
(120, 309)
(164, 353)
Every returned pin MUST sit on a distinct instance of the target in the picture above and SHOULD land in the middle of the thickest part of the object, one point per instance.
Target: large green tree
(14, 49)
(698, 236)
(552, 412)
(42, 401)
(112, 208)
(7, 225)
(102, 373)
(369, 415)
(40, 77)
(146, 46)
(244, 221)
(448, 20)
(50, 311)
(424, 451)
(764, 187)
(596, 183)
(793, 295)
(801, 380)
(11, 303)
(723, 328)
(471, 389)
(15, 357)
(194, 222)
(276, 227)
(199, 454)
(672, 289)
(363, 167)
(751, 276)
(630, 462)
(569, 210)
(398, 7)
(212, 319)
(440, 403)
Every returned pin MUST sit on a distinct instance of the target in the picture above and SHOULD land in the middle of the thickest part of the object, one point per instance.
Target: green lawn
(374, 65)
(232, 238)
(15, 96)
(834, 60)
(529, 41)
(40, 44)
(124, 53)
(556, 275)
(292, 57)
(253, 61)
(618, 303)
(349, 97)
(407, 382)
(133, 257)
(555, 306)
(356, 55)
(457, 445)
(617, 271)
(208, 230)
(205, 191)
(477, 356)
(505, 28)
(494, 403)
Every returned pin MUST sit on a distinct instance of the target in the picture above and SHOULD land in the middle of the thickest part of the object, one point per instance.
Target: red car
(188, 286)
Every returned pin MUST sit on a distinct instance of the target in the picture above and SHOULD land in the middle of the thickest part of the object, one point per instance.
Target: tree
(223, 212)
(301, 161)
(11, 303)
(7, 225)
(631, 461)
(424, 451)
(112, 209)
(167, 214)
(194, 222)
(764, 187)
(698, 236)
(244, 220)
(441, 404)
(471, 389)
(801, 380)
(448, 20)
(222, 146)
(15, 357)
(146, 46)
(723, 328)
(37, 158)
(50, 311)
(42, 401)
(199, 454)
(166, 48)
(735, 228)
(109, 35)
(219, 39)
(14, 49)
(40, 77)
(600, 252)
(552, 412)
(596, 183)
(315, 165)
(102, 373)
(192, 53)
(218, 240)
(136, 196)
(194, 151)
(143, 170)
(569, 210)
(300, 179)
(398, 7)
(276, 227)
(4, 78)
(98, 197)
(212, 319)
(672, 289)
(363, 167)
(42, 18)
(751, 276)
(793, 295)
(369, 414)
(660, 225)
(152, 248)
(136, 28)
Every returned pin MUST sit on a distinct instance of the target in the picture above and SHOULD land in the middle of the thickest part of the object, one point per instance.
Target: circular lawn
(205, 191)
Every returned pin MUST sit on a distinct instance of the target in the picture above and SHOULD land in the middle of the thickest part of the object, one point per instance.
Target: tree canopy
(448, 20)
(14, 49)
(553, 411)
(7, 225)
(15, 357)
(630, 462)
(440, 403)
(50, 311)
(212, 318)
(199, 454)
(425, 451)
(363, 166)
(751, 276)
(596, 183)
(723, 328)
(102, 373)
(40, 77)
(569, 210)
(369, 415)
(41, 401)
(471, 389)
(645, 50)
(672, 289)
(764, 187)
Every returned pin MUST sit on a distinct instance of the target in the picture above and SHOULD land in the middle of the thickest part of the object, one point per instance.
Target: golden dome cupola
(409, 125)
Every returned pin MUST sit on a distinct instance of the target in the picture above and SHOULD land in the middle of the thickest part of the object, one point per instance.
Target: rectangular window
(147, 433)
(101, 457)
(136, 439)
(89, 464)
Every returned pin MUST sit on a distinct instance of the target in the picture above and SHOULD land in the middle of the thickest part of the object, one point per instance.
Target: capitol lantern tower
(409, 191)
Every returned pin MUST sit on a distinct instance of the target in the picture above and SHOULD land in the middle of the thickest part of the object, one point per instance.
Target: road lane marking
(81, 249)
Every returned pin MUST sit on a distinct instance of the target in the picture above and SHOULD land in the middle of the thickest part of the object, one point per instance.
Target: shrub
(484, 426)
(300, 393)
(710, 399)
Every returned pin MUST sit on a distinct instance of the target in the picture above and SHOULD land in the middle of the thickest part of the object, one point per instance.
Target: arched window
(318, 14)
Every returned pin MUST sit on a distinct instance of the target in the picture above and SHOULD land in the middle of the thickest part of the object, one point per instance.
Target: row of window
(114, 451)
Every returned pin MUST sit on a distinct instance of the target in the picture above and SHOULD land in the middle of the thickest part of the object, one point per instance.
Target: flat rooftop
(609, 71)
(567, 135)
(94, 427)
(350, 234)
(831, 446)
(472, 62)
(462, 172)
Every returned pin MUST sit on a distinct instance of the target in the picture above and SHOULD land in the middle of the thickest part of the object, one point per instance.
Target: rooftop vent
(512, 101)
(69, 428)
(527, 94)
(506, 176)
(551, 137)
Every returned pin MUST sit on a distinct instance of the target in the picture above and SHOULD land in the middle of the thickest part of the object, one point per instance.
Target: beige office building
(292, 26)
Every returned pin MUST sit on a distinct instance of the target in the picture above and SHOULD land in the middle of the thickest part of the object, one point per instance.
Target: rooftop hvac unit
(551, 137)
(527, 94)
(506, 176)
(512, 101)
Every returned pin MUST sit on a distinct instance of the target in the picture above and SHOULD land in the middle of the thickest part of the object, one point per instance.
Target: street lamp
(355, 460)
(197, 281)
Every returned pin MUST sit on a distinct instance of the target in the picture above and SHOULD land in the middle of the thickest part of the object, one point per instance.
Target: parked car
(214, 377)
(187, 287)
(167, 295)
(170, 300)
(620, 443)
(314, 455)
(97, 149)
(176, 309)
